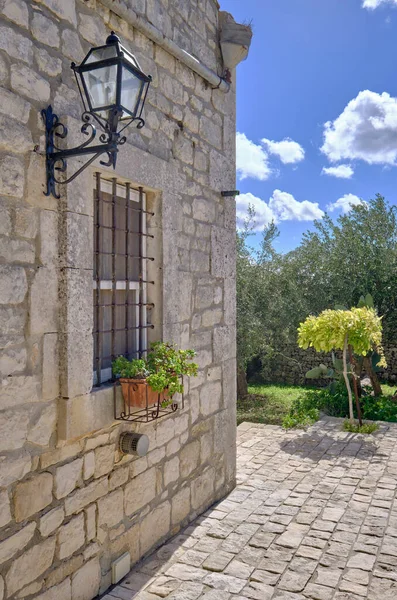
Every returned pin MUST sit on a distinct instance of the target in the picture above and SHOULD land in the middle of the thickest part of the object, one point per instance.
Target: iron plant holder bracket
(147, 414)
(56, 157)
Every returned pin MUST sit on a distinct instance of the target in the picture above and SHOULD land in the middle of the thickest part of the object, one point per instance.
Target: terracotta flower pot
(138, 394)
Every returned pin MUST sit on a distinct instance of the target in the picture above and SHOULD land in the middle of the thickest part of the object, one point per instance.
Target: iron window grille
(122, 313)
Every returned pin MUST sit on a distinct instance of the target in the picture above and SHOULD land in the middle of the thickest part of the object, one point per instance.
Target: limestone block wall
(70, 503)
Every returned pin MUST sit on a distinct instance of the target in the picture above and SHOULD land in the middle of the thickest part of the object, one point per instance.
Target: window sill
(86, 414)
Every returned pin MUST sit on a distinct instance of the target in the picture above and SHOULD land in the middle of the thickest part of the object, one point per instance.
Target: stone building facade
(70, 502)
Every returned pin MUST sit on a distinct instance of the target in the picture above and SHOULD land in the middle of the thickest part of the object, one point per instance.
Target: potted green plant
(132, 376)
(159, 376)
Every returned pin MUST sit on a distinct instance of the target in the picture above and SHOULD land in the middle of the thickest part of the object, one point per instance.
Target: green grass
(267, 403)
(271, 403)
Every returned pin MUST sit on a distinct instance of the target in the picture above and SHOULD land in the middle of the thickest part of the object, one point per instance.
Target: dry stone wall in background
(290, 363)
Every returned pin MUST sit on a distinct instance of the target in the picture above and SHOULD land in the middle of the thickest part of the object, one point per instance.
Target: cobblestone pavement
(314, 515)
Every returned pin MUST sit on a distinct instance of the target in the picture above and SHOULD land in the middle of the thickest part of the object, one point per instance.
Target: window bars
(120, 274)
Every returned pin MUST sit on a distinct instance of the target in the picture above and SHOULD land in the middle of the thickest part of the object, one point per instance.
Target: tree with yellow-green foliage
(359, 328)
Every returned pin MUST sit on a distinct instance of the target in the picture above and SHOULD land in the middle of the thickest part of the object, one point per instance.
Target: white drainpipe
(154, 34)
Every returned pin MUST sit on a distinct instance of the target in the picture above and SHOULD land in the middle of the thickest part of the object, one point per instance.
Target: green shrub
(379, 409)
(306, 409)
(333, 401)
(357, 428)
(301, 419)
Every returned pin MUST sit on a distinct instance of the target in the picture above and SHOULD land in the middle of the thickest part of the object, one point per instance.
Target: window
(121, 307)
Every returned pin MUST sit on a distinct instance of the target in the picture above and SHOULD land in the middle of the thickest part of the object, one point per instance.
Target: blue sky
(314, 62)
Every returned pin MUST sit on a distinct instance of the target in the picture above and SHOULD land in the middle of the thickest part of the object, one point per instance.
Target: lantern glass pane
(130, 88)
(131, 59)
(101, 85)
(109, 51)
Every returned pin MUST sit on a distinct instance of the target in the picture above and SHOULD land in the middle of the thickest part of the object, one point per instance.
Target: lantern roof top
(112, 51)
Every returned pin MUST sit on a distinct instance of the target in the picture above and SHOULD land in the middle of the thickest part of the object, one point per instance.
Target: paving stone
(314, 542)
(382, 589)
(215, 595)
(332, 514)
(262, 540)
(221, 530)
(239, 569)
(185, 572)
(328, 577)
(302, 565)
(306, 518)
(345, 537)
(273, 527)
(318, 592)
(225, 582)
(288, 596)
(290, 539)
(293, 581)
(265, 577)
(258, 591)
(333, 562)
(279, 553)
(309, 552)
(251, 556)
(281, 519)
(217, 561)
(322, 535)
(234, 543)
(357, 576)
(361, 561)
(273, 566)
(369, 549)
(162, 587)
(207, 544)
(354, 588)
(338, 549)
(350, 596)
(323, 525)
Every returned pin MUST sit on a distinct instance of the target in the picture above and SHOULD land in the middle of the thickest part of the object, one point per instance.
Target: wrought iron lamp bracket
(56, 157)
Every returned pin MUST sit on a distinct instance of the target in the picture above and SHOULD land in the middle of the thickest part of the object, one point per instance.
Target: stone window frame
(141, 336)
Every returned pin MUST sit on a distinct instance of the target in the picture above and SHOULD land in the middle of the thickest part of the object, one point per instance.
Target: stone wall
(290, 364)
(70, 503)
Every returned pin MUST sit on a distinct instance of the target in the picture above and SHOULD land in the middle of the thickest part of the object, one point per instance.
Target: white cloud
(366, 130)
(263, 214)
(288, 151)
(286, 208)
(345, 203)
(371, 4)
(341, 171)
(251, 159)
(281, 207)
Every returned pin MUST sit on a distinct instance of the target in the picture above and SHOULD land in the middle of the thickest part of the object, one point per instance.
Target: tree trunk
(358, 368)
(373, 376)
(347, 382)
(242, 386)
(355, 386)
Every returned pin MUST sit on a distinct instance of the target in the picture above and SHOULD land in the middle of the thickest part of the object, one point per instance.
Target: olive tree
(254, 296)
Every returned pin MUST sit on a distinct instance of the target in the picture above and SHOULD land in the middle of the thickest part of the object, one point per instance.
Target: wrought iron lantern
(113, 89)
